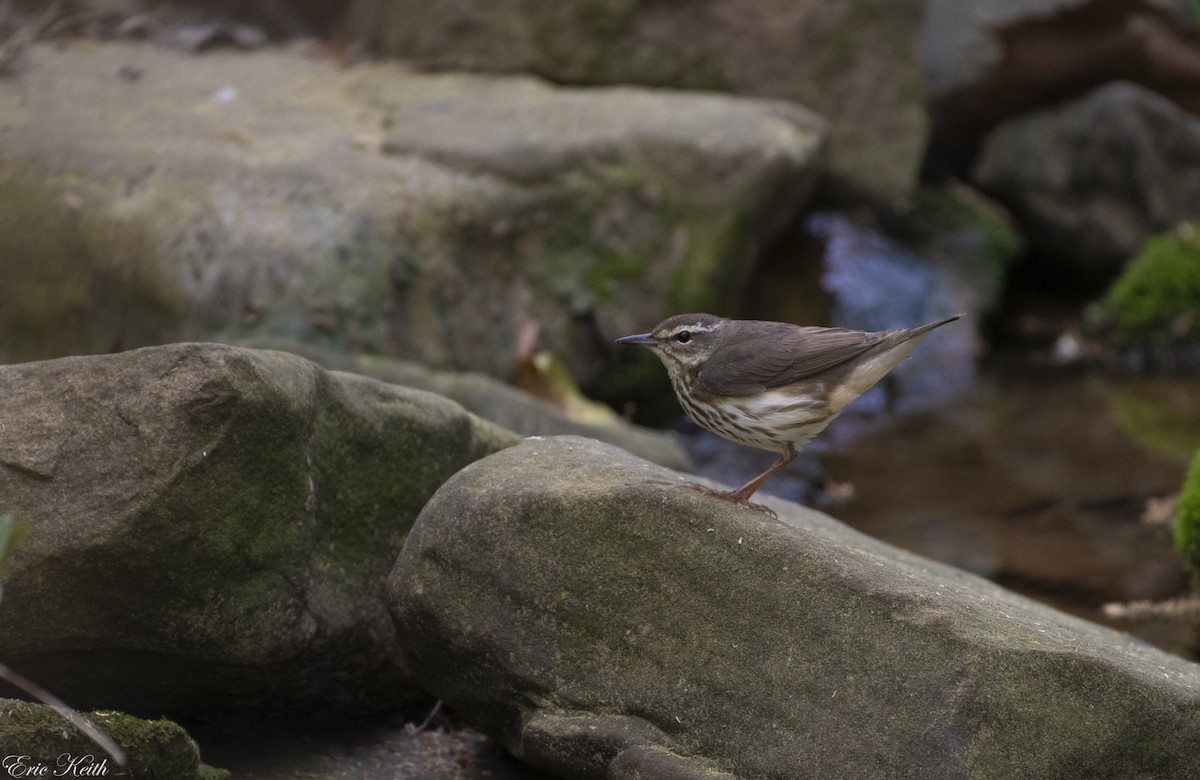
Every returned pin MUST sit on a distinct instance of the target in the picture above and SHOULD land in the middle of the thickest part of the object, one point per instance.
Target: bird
(771, 385)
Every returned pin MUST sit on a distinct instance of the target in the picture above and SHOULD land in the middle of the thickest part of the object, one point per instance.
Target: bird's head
(684, 341)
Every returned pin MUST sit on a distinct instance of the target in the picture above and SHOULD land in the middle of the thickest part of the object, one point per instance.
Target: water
(877, 283)
(1046, 482)
(1043, 478)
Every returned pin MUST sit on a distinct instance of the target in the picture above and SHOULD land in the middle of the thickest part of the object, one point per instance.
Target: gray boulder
(211, 527)
(1092, 179)
(854, 64)
(959, 44)
(428, 217)
(988, 61)
(964, 43)
(606, 621)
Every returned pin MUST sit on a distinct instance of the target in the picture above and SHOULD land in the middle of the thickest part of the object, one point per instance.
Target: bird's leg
(742, 494)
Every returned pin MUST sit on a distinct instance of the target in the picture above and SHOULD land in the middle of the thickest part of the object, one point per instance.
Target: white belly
(770, 421)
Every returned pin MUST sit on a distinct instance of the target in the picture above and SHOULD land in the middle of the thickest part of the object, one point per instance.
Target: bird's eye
(683, 336)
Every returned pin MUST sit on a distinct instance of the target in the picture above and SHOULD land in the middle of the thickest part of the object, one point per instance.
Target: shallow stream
(1055, 484)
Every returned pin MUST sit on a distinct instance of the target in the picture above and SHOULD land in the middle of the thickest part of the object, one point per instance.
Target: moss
(598, 42)
(668, 232)
(1187, 525)
(1160, 414)
(315, 454)
(346, 284)
(360, 435)
(844, 48)
(12, 534)
(713, 268)
(1156, 299)
(614, 225)
(621, 224)
(481, 583)
(234, 522)
(157, 749)
(76, 279)
(957, 212)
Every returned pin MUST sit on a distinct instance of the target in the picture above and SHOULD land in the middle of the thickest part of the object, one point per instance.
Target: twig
(428, 719)
(1185, 609)
(58, 705)
(20, 40)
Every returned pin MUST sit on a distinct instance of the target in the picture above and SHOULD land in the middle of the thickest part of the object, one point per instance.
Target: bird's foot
(733, 497)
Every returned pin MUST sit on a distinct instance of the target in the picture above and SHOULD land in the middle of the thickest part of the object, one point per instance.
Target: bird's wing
(751, 363)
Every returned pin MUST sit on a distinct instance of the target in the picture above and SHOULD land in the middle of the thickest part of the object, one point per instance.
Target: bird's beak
(641, 339)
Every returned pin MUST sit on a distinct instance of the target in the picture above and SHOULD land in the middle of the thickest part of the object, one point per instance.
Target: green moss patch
(77, 277)
(1187, 527)
(154, 749)
(1156, 300)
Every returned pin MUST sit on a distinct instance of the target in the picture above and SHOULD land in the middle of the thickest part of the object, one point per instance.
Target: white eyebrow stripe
(697, 327)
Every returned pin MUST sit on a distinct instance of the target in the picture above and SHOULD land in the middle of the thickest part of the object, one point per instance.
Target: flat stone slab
(371, 208)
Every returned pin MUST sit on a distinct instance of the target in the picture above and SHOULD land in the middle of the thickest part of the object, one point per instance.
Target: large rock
(147, 195)
(985, 61)
(606, 621)
(854, 63)
(1092, 179)
(212, 527)
(501, 403)
(37, 742)
(964, 42)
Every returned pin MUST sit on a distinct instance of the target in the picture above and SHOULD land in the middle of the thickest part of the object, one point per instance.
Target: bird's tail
(920, 331)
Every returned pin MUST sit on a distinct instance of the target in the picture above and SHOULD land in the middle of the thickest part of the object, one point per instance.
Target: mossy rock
(859, 66)
(500, 402)
(958, 213)
(372, 209)
(154, 749)
(1187, 524)
(963, 232)
(213, 526)
(602, 619)
(76, 280)
(1156, 300)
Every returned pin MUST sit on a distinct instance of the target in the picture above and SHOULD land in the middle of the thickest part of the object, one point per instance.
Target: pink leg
(742, 494)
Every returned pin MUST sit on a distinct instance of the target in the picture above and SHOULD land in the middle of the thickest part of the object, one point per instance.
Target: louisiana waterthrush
(771, 385)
